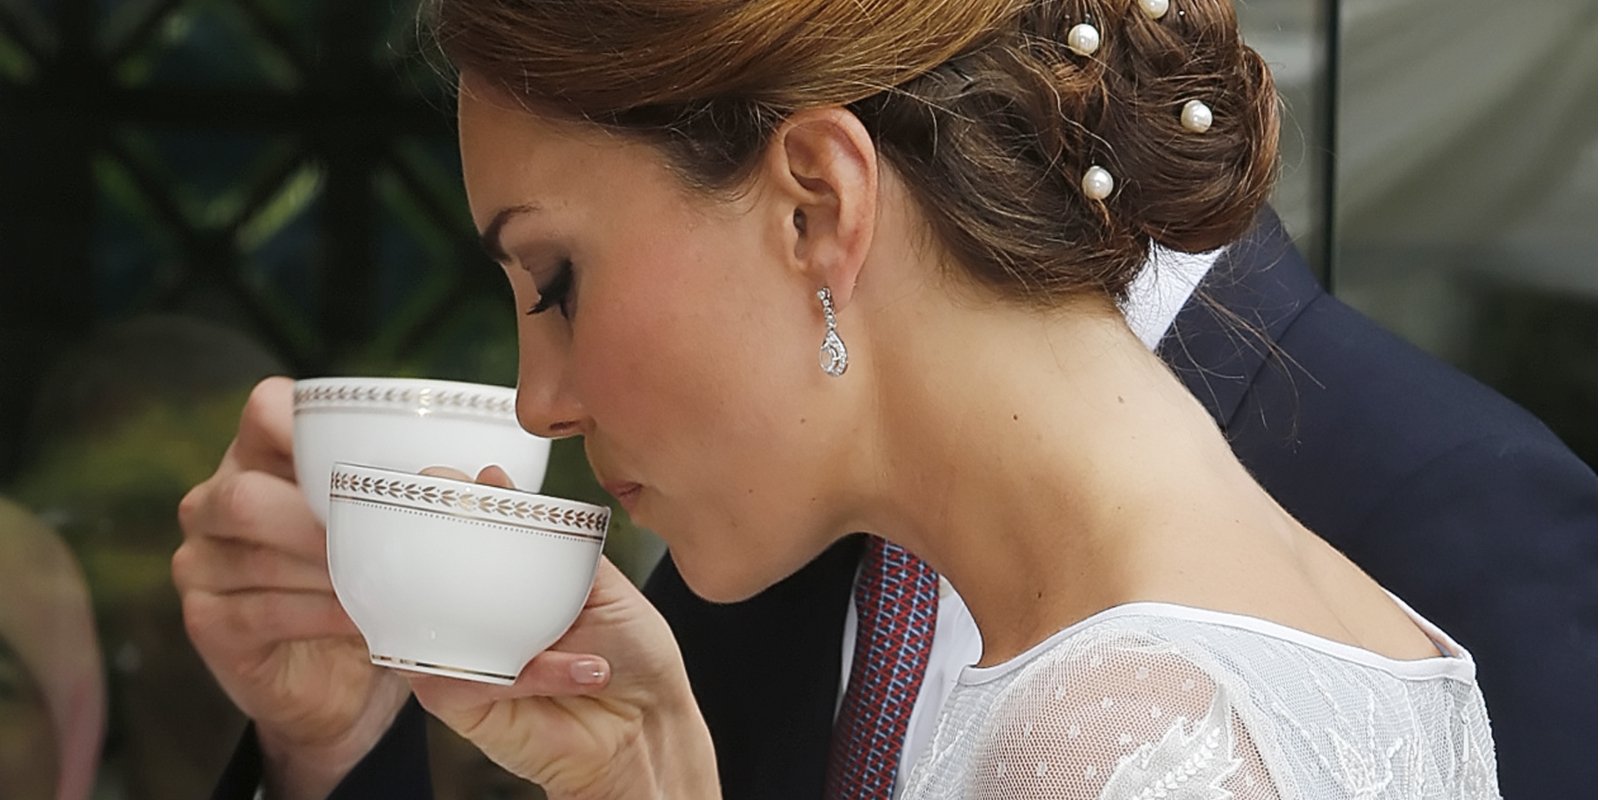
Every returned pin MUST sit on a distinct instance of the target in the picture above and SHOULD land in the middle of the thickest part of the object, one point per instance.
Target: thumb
(445, 472)
(493, 475)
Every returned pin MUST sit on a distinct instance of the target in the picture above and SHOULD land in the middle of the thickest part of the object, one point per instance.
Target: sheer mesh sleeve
(1120, 717)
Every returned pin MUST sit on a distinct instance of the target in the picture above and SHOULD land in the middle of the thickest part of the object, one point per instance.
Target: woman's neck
(1039, 462)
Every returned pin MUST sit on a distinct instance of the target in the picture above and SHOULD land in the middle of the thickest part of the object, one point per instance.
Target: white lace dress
(1153, 701)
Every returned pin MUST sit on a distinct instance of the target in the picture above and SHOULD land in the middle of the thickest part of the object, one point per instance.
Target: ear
(825, 170)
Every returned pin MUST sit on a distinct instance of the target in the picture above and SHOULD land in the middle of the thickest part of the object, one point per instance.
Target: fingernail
(589, 671)
(495, 475)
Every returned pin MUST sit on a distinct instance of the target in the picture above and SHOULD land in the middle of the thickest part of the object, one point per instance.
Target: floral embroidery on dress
(1183, 765)
(1152, 703)
(1365, 768)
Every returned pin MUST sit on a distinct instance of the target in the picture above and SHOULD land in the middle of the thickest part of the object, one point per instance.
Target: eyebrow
(489, 240)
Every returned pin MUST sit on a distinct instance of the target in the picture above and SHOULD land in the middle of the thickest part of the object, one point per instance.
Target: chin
(717, 583)
(724, 563)
(717, 577)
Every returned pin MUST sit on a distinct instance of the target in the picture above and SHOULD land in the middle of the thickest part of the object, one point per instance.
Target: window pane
(1292, 36)
(1466, 191)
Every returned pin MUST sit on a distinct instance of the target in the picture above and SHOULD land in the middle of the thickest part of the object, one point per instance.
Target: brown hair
(977, 105)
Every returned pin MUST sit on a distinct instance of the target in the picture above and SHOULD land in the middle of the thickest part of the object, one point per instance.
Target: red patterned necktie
(897, 601)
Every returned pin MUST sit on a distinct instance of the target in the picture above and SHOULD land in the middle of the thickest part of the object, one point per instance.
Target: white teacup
(409, 425)
(456, 578)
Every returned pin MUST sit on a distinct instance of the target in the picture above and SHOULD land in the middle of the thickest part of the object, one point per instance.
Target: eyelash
(557, 292)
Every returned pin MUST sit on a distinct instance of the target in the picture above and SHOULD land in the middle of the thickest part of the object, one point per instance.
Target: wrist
(305, 770)
(669, 756)
(310, 769)
(685, 759)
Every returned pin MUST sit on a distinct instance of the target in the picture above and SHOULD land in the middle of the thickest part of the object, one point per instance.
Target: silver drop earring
(833, 357)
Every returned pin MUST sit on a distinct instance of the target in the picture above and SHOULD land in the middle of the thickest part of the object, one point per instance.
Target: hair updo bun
(1185, 190)
(980, 106)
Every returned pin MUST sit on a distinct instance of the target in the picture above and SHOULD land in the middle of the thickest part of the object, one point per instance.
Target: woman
(801, 269)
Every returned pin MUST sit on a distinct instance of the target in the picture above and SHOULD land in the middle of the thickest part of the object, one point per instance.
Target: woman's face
(670, 331)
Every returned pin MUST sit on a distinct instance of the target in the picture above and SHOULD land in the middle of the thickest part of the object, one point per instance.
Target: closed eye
(557, 292)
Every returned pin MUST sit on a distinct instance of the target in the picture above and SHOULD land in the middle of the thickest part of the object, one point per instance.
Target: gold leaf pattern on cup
(380, 397)
(452, 499)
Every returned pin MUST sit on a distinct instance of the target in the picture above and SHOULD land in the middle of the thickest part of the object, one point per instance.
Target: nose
(546, 405)
(544, 409)
(546, 402)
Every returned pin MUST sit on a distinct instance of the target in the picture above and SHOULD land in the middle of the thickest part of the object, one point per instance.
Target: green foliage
(114, 493)
(14, 63)
(289, 201)
(160, 449)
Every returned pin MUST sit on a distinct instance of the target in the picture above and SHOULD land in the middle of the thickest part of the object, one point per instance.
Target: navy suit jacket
(1452, 497)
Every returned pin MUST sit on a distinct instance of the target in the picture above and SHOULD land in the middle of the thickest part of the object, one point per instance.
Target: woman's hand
(606, 712)
(252, 573)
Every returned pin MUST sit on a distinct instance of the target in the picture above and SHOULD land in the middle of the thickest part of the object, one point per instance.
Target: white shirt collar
(1161, 289)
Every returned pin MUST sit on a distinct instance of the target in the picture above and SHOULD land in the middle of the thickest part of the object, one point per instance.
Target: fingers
(550, 674)
(491, 475)
(223, 566)
(246, 622)
(611, 587)
(254, 508)
(608, 572)
(554, 673)
(266, 430)
(445, 472)
(258, 508)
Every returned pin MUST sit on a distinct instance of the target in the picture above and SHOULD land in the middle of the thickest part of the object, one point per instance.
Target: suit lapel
(1225, 333)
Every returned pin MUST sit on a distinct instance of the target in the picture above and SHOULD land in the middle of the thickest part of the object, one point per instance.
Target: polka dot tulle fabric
(1166, 703)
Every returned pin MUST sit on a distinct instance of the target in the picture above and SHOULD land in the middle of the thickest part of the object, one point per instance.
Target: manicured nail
(589, 671)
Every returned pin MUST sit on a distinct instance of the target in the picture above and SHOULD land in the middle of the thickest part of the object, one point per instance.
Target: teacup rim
(510, 506)
(392, 380)
(419, 396)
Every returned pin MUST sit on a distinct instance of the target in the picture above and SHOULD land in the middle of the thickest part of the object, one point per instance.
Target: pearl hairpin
(1196, 116)
(1153, 9)
(1098, 183)
(1083, 39)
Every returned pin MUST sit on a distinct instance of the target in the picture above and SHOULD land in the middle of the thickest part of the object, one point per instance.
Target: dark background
(197, 193)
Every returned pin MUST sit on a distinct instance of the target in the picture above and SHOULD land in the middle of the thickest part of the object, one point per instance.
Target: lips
(626, 492)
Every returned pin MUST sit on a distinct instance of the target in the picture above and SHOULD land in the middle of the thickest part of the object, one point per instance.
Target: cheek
(684, 338)
(641, 366)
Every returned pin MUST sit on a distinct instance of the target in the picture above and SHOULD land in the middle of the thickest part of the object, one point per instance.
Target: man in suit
(1462, 504)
